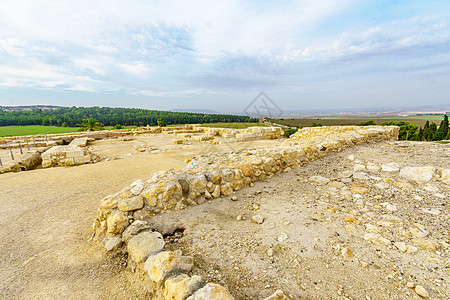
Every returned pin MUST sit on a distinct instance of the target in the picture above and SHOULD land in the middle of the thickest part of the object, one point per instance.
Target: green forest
(74, 116)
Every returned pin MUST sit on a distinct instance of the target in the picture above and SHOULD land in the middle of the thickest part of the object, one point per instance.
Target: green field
(333, 121)
(30, 130)
(233, 125)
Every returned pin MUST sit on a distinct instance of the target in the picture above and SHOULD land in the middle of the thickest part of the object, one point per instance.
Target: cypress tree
(426, 131)
(442, 131)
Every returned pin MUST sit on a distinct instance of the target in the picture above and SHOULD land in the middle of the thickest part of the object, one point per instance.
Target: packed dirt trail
(46, 222)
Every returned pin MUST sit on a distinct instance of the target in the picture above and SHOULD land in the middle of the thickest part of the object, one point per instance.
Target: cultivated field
(333, 121)
(29, 130)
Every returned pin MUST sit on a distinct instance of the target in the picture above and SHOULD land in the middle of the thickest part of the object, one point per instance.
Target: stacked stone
(73, 154)
(121, 216)
(214, 176)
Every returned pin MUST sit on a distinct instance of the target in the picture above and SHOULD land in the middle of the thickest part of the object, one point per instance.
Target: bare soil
(47, 214)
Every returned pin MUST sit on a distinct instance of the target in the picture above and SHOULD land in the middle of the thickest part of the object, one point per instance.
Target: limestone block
(178, 288)
(117, 222)
(226, 189)
(172, 191)
(109, 202)
(79, 142)
(167, 263)
(82, 160)
(211, 291)
(135, 228)
(144, 244)
(74, 152)
(130, 204)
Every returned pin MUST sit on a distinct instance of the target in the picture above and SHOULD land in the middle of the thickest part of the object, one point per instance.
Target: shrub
(289, 132)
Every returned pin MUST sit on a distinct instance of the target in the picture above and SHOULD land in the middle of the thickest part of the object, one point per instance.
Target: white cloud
(136, 68)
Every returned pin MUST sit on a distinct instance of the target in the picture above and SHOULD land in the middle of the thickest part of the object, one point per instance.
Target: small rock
(234, 198)
(278, 295)
(350, 219)
(361, 176)
(392, 167)
(346, 252)
(270, 252)
(359, 168)
(373, 167)
(282, 237)
(389, 206)
(400, 246)
(429, 245)
(258, 219)
(432, 211)
(382, 185)
(418, 174)
(319, 180)
(113, 243)
(410, 284)
(421, 291)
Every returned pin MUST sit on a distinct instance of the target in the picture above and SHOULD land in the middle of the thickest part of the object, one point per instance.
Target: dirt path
(45, 222)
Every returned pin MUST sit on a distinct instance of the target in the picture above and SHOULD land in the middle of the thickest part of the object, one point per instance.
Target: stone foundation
(126, 212)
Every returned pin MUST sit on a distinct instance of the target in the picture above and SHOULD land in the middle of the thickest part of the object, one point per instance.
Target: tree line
(429, 132)
(75, 116)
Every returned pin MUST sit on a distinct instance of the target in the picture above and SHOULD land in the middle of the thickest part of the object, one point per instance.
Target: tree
(442, 131)
(367, 123)
(91, 124)
(289, 132)
(162, 122)
(314, 124)
(407, 130)
(118, 126)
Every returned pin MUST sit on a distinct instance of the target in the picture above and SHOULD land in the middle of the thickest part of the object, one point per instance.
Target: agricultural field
(233, 125)
(330, 121)
(30, 130)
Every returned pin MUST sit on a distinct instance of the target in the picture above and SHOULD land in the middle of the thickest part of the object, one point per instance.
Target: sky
(220, 55)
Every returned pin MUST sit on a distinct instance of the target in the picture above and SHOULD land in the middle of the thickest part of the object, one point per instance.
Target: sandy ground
(46, 221)
(47, 214)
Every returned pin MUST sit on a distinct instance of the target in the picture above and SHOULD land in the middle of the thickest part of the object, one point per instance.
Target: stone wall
(210, 177)
(76, 153)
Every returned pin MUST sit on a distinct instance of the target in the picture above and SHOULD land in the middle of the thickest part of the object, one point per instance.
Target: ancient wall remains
(121, 217)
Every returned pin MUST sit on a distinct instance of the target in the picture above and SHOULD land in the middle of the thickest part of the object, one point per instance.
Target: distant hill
(196, 110)
(29, 107)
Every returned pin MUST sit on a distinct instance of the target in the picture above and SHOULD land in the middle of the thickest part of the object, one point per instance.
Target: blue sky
(309, 54)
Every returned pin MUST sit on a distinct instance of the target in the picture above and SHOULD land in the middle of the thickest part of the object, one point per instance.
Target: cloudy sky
(219, 55)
